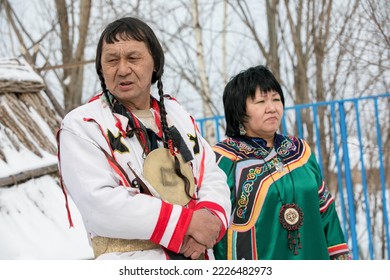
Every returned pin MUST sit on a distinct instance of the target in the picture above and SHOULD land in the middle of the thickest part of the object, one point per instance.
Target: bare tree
(73, 27)
(377, 22)
(204, 79)
(378, 13)
(319, 51)
(73, 77)
(224, 42)
(29, 53)
(190, 40)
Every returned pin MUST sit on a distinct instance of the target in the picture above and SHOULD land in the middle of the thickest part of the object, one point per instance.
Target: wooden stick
(27, 175)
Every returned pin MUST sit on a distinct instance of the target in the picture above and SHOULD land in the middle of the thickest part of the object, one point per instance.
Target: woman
(144, 180)
(282, 208)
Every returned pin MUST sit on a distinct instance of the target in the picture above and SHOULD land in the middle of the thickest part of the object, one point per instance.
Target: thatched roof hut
(33, 217)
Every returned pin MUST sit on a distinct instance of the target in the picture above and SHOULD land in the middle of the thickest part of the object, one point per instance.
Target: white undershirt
(146, 117)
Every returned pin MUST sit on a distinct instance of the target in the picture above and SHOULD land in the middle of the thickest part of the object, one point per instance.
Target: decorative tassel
(290, 242)
(294, 241)
(299, 241)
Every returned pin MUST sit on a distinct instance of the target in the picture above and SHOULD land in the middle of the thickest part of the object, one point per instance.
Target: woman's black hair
(242, 86)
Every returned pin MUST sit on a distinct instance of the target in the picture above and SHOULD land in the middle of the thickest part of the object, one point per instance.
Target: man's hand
(191, 248)
(204, 228)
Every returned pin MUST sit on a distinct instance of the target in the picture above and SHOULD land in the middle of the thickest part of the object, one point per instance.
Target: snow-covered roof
(16, 75)
(18, 70)
(33, 217)
(28, 121)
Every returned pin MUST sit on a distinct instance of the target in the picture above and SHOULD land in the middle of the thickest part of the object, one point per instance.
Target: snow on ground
(34, 224)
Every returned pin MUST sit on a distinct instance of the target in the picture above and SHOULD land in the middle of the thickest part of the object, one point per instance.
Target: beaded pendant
(291, 218)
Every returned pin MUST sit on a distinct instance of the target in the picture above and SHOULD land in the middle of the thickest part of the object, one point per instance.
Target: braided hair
(130, 28)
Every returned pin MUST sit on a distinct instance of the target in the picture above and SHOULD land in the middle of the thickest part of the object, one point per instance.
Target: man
(144, 180)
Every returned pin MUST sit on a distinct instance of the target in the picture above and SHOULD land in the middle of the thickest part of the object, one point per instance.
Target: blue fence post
(284, 125)
(338, 166)
(382, 177)
(299, 123)
(318, 139)
(348, 181)
(201, 126)
(364, 181)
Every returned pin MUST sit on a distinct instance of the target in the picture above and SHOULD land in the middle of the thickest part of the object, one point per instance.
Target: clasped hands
(201, 234)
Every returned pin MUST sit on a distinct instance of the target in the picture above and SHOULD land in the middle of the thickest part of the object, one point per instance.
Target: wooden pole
(27, 175)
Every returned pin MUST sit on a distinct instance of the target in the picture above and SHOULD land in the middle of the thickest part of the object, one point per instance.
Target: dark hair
(242, 86)
(131, 28)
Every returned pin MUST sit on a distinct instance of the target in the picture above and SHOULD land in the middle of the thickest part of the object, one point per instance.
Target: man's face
(127, 68)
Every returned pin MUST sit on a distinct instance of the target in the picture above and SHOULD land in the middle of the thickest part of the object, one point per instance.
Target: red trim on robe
(213, 207)
(163, 219)
(62, 182)
(180, 230)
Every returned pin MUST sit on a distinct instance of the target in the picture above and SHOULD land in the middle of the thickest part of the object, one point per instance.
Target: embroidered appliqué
(247, 188)
(196, 143)
(116, 142)
(286, 146)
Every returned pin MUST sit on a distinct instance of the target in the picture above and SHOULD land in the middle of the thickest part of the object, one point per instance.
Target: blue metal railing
(345, 127)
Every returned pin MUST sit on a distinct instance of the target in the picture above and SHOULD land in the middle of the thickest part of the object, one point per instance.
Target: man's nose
(124, 67)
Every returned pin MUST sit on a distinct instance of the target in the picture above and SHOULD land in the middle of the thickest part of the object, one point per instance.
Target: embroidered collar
(282, 145)
(134, 126)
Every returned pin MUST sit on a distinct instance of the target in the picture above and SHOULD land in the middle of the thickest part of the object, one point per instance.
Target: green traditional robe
(261, 180)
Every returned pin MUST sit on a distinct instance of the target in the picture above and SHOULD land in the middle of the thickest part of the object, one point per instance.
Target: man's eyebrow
(111, 54)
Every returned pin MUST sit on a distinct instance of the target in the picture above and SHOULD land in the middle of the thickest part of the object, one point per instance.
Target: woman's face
(265, 113)
(127, 68)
